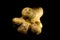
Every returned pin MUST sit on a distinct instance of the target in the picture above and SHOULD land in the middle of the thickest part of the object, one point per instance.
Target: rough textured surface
(30, 19)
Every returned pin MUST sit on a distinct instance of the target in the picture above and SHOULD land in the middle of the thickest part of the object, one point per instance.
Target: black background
(11, 9)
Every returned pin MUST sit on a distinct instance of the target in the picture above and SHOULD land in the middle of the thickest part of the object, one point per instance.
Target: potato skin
(33, 21)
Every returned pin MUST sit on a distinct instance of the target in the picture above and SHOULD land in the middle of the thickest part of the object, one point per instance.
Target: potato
(30, 19)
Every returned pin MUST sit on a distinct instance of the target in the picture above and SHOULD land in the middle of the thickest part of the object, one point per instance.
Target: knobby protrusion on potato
(30, 19)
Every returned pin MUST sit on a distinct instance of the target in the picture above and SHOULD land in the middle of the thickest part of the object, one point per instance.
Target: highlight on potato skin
(30, 19)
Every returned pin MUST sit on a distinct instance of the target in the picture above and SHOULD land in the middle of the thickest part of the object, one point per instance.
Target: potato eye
(37, 22)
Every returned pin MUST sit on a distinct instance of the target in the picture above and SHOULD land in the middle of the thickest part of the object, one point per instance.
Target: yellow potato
(30, 19)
